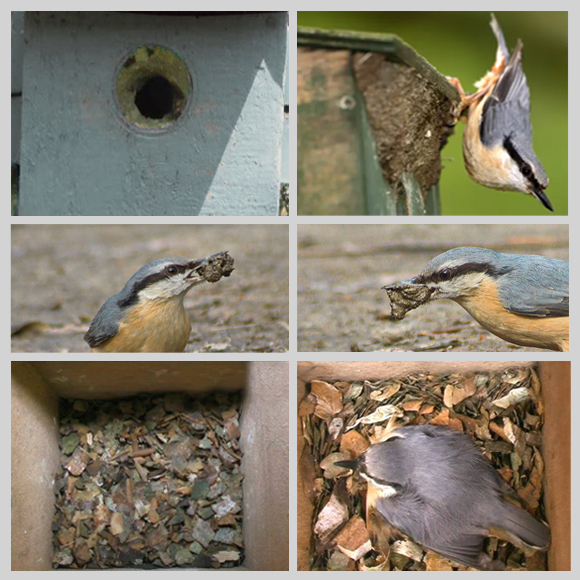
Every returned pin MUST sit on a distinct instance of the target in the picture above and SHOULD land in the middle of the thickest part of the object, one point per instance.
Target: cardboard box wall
(555, 378)
(37, 386)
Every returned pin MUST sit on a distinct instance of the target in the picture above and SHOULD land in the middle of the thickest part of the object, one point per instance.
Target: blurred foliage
(461, 44)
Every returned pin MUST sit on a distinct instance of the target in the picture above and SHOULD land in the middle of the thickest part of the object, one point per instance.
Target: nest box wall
(149, 114)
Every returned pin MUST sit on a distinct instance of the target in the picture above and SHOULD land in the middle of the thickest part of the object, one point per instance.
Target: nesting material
(216, 267)
(501, 412)
(406, 297)
(149, 481)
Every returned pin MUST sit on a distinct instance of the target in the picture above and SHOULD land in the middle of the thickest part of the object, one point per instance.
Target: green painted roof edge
(394, 48)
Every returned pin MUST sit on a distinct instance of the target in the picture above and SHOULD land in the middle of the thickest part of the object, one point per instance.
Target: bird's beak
(404, 284)
(352, 464)
(195, 273)
(407, 295)
(539, 194)
(197, 265)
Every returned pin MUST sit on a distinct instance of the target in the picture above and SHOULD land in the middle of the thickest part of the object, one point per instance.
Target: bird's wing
(467, 549)
(543, 307)
(512, 84)
(541, 291)
(407, 513)
(105, 324)
(508, 107)
(551, 300)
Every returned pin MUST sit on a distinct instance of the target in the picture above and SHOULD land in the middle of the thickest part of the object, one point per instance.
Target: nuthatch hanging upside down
(433, 484)
(147, 315)
(523, 299)
(497, 141)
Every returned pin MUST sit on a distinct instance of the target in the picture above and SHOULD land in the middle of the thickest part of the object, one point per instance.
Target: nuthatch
(147, 315)
(497, 141)
(523, 299)
(433, 484)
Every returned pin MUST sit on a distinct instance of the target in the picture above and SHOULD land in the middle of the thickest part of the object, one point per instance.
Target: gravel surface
(62, 274)
(341, 269)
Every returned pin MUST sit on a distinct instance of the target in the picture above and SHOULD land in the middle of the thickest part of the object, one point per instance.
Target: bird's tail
(524, 527)
(502, 46)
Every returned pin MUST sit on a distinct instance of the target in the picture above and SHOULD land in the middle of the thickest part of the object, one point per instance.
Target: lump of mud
(217, 267)
(405, 297)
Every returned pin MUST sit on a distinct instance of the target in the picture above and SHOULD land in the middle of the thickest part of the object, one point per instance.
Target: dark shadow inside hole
(155, 98)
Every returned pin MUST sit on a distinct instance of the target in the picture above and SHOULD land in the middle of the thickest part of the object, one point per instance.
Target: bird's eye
(172, 270)
(444, 275)
(526, 171)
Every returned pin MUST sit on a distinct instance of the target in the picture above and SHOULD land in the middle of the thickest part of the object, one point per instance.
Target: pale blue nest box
(152, 113)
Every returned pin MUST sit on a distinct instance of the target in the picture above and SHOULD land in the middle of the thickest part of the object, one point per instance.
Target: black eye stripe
(463, 269)
(148, 281)
(524, 166)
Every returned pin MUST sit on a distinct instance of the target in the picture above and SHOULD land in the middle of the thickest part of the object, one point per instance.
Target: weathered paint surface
(330, 169)
(16, 82)
(222, 157)
(286, 135)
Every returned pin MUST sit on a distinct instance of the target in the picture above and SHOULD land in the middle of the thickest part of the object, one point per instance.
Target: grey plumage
(447, 496)
(528, 285)
(496, 28)
(498, 142)
(106, 322)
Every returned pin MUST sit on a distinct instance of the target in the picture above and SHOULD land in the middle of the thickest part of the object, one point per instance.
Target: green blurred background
(461, 44)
